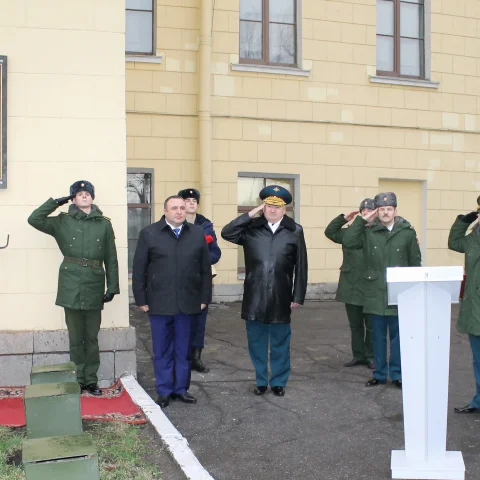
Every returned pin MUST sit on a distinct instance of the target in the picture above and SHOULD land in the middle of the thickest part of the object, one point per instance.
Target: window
(401, 38)
(268, 32)
(248, 191)
(139, 204)
(139, 27)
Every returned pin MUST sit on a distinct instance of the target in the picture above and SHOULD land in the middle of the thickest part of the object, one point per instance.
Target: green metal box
(60, 458)
(53, 409)
(58, 373)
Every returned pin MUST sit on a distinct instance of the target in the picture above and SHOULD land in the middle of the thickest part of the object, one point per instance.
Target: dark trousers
(259, 335)
(362, 333)
(171, 349)
(475, 344)
(381, 326)
(198, 329)
(83, 327)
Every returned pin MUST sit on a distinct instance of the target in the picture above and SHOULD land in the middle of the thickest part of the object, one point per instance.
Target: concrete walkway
(328, 426)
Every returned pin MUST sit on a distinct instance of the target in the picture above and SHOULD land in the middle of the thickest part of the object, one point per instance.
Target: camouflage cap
(386, 199)
(367, 203)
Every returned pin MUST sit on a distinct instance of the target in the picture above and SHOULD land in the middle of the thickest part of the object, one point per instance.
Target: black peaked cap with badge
(275, 195)
(386, 199)
(82, 186)
(190, 193)
(367, 203)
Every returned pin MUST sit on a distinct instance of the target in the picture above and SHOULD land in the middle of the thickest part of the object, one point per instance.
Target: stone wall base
(19, 351)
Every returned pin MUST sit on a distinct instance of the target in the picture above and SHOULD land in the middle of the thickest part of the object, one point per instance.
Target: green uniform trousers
(83, 327)
(362, 333)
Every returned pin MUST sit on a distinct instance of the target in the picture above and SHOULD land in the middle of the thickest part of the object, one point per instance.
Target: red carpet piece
(114, 405)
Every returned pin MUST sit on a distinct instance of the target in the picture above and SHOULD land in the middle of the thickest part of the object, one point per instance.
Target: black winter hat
(190, 193)
(82, 186)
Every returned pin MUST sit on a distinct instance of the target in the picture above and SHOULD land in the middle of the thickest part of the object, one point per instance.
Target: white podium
(424, 296)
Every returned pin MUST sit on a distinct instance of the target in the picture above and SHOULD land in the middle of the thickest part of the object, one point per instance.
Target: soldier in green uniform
(388, 240)
(86, 239)
(350, 291)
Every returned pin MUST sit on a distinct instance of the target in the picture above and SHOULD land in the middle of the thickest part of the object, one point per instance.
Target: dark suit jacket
(172, 275)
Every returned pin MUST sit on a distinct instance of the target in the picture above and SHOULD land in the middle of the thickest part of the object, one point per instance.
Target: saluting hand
(351, 215)
(470, 217)
(371, 215)
(253, 212)
(63, 200)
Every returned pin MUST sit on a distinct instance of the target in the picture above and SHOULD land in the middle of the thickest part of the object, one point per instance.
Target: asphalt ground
(328, 426)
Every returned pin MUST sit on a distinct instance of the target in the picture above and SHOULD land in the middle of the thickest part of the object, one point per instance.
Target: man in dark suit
(172, 281)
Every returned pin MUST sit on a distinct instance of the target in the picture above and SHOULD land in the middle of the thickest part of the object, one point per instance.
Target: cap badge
(82, 184)
(276, 189)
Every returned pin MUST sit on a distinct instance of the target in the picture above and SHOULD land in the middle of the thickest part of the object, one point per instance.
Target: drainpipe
(204, 107)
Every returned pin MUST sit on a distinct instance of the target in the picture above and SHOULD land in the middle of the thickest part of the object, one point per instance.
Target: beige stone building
(335, 99)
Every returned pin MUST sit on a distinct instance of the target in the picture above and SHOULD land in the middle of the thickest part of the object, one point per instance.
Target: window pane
(251, 10)
(138, 218)
(282, 43)
(385, 53)
(411, 57)
(248, 190)
(282, 11)
(139, 4)
(138, 32)
(411, 20)
(251, 40)
(385, 17)
(139, 188)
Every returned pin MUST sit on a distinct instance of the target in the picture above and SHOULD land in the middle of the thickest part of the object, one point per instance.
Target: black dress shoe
(184, 397)
(163, 401)
(397, 383)
(353, 363)
(467, 409)
(278, 391)
(260, 390)
(82, 386)
(93, 389)
(373, 382)
(371, 365)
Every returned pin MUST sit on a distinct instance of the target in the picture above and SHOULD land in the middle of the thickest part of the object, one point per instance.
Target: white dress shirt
(274, 226)
(173, 228)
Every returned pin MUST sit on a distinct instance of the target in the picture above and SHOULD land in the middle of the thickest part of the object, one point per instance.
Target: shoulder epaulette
(106, 218)
(64, 213)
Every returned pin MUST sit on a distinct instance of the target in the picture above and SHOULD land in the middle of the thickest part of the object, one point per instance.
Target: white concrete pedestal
(424, 296)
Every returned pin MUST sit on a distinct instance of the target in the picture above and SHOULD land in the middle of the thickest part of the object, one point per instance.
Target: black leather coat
(172, 275)
(271, 259)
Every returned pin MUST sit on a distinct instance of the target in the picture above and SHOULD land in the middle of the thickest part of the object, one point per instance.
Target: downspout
(204, 107)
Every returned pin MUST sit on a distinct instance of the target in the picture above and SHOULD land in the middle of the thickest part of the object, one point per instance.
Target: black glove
(108, 297)
(63, 200)
(470, 217)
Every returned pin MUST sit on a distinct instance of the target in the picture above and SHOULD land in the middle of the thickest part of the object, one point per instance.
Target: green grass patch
(119, 446)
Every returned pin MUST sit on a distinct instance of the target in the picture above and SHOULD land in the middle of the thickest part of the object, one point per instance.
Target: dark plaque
(3, 121)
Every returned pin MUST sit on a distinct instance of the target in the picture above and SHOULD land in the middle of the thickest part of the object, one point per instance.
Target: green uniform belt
(84, 262)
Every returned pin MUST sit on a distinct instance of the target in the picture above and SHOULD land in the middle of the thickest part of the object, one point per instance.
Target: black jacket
(172, 275)
(270, 263)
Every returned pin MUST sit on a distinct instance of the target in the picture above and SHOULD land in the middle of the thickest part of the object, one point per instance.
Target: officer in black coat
(192, 201)
(172, 281)
(275, 250)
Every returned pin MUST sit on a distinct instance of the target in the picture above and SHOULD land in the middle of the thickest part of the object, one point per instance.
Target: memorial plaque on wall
(3, 121)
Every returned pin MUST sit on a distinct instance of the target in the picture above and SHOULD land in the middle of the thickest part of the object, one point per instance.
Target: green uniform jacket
(469, 319)
(353, 267)
(382, 249)
(80, 236)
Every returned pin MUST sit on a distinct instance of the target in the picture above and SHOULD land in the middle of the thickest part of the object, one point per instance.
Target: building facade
(64, 106)
(335, 99)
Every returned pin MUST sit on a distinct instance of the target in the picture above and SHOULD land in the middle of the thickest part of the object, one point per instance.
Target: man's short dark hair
(178, 197)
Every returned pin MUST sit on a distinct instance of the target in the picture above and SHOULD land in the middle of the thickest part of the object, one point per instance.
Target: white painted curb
(176, 443)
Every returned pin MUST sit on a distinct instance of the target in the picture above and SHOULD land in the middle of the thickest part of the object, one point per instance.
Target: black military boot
(197, 363)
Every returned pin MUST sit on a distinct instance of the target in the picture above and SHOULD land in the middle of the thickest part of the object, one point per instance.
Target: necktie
(176, 231)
